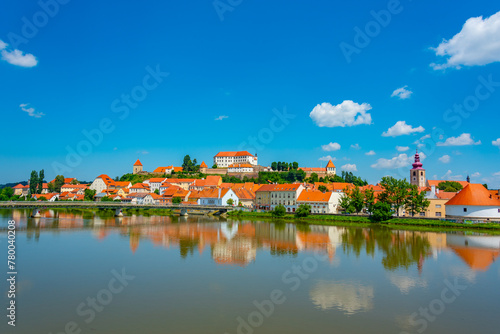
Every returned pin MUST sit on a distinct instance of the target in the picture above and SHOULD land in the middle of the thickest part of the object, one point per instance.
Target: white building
(218, 197)
(327, 202)
(286, 195)
(474, 202)
(102, 182)
(224, 159)
(154, 183)
(240, 168)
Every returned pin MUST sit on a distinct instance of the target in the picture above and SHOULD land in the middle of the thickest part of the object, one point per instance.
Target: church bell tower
(417, 173)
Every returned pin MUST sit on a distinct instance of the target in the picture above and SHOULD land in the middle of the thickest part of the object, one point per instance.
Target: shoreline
(363, 221)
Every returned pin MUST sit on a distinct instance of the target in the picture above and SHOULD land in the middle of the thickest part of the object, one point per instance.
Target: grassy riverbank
(363, 221)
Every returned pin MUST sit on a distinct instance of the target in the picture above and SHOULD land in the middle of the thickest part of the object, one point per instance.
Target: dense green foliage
(450, 186)
(279, 211)
(284, 166)
(190, 166)
(89, 194)
(303, 210)
(381, 212)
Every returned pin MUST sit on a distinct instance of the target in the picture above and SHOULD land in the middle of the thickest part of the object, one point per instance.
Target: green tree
(230, 202)
(33, 182)
(89, 194)
(279, 167)
(214, 166)
(357, 199)
(395, 192)
(416, 201)
(176, 200)
(485, 185)
(106, 199)
(313, 178)
(295, 165)
(450, 186)
(369, 200)
(50, 187)
(274, 165)
(7, 192)
(322, 188)
(345, 202)
(279, 211)
(303, 210)
(41, 176)
(381, 212)
(58, 183)
(157, 191)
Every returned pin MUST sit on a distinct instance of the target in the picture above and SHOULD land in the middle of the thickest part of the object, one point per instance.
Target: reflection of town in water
(232, 242)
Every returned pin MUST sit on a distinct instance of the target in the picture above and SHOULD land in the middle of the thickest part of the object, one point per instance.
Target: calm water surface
(86, 273)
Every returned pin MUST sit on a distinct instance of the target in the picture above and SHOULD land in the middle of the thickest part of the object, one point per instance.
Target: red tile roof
(234, 154)
(286, 187)
(445, 195)
(137, 163)
(314, 196)
(474, 194)
(330, 164)
(203, 165)
(240, 166)
(162, 169)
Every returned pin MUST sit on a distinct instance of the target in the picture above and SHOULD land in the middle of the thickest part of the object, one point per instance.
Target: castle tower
(417, 173)
(137, 167)
(203, 167)
(330, 168)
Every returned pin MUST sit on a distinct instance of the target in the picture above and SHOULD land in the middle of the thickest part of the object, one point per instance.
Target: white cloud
(402, 93)
(449, 176)
(327, 158)
(400, 129)
(331, 147)
(478, 43)
(463, 140)
(220, 118)
(476, 174)
(17, 57)
(142, 152)
(31, 111)
(496, 142)
(356, 146)
(348, 113)
(350, 167)
(496, 174)
(399, 161)
(402, 148)
(445, 159)
(371, 152)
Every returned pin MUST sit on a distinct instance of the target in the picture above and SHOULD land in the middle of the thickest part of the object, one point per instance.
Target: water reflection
(347, 297)
(237, 242)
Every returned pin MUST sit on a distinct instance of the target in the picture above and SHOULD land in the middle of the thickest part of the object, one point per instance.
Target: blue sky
(162, 79)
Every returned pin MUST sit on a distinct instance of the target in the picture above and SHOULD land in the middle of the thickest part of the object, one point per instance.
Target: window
(465, 209)
(422, 214)
(438, 206)
(414, 173)
(438, 214)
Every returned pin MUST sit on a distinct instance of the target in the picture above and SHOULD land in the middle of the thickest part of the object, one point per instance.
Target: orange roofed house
(320, 202)
(474, 201)
(286, 195)
(102, 182)
(225, 159)
(329, 170)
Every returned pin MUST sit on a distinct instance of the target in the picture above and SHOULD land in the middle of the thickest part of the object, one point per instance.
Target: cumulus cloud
(402, 93)
(445, 159)
(220, 118)
(327, 158)
(31, 111)
(476, 174)
(399, 161)
(350, 168)
(478, 43)
(401, 129)
(449, 176)
(356, 146)
(142, 152)
(464, 139)
(371, 152)
(17, 57)
(348, 113)
(331, 147)
(496, 143)
(496, 174)
(402, 148)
